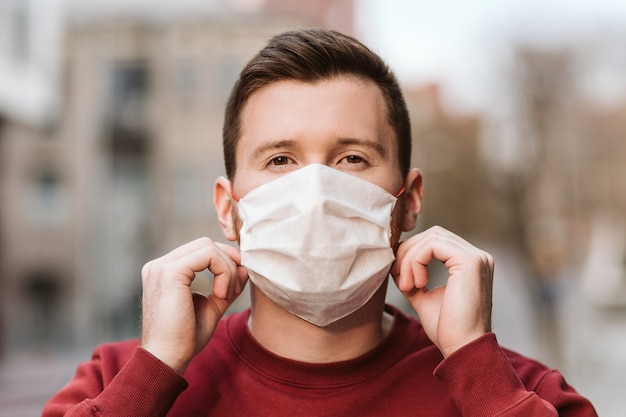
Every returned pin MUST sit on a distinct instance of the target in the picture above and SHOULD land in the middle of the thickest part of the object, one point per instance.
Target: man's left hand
(458, 312)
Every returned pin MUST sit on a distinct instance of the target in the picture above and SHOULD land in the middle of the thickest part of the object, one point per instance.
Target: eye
(354, 159)
(279, 160)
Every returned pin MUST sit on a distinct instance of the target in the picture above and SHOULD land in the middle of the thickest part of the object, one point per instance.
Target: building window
(48, 200)
(126, 118)
(41, 296)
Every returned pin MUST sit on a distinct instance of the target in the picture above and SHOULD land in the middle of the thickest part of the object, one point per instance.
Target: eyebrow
(376, 146)
(266, 147)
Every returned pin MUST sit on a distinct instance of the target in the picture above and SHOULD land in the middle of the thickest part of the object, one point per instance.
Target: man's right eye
(279, 160)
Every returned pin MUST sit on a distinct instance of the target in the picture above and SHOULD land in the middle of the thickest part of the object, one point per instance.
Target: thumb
(209, 310)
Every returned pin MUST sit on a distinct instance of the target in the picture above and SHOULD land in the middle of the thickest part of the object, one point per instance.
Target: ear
(414, 190)
(223, 202)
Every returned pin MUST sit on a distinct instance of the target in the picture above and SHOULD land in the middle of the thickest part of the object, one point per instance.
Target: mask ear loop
(232, 192)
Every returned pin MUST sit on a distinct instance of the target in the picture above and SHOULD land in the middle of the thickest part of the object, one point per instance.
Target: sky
(461, 44)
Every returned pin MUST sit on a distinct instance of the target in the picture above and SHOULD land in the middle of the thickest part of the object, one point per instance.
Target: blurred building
(124, 171)
(30, 38)
(458, 194)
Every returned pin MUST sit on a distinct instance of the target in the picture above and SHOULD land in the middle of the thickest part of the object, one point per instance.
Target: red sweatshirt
(235, 376)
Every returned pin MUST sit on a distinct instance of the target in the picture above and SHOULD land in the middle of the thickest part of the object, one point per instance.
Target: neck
(291, 337)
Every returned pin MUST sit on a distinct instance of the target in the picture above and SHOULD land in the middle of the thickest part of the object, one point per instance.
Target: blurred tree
(446, 147)
(539, 187)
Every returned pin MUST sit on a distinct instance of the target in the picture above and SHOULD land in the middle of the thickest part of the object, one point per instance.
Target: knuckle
(483, 255)
(151, 269)
(145, 271)
(437, 229)
(164, 270)
(487, 258)
(205, 240)
(479, 259)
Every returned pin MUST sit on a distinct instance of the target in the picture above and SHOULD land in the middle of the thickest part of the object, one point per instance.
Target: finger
(208, 311)
(231, 251)
(410, 269)
(236, 283)
(242, 278)
(412, 257)
(207, 257)
(225, 276)
(186, 248)
(442, 245)
(427, 303)
(177, 253)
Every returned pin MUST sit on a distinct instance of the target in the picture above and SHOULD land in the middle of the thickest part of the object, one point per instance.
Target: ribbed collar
(328, 375)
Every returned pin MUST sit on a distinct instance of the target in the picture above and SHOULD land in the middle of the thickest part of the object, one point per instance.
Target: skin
(289, 124)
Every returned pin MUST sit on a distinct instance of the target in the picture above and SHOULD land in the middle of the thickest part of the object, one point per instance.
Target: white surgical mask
(317, 241)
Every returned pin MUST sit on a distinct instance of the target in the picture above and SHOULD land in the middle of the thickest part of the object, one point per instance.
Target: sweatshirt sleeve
(483, 382)
(110, 386)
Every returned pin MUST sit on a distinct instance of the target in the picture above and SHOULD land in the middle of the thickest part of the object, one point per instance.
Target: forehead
(343, 106)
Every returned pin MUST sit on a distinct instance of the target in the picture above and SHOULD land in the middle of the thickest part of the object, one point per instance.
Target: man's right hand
(176, 323)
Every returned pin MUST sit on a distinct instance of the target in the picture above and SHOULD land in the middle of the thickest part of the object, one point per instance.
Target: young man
(317, 151)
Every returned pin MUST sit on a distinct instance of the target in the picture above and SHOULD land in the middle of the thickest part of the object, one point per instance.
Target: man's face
(340, 123)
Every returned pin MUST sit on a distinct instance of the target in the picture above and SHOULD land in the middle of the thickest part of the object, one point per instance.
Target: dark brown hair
(311, 55)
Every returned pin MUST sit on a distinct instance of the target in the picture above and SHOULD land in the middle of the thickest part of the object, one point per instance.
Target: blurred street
(27, 381)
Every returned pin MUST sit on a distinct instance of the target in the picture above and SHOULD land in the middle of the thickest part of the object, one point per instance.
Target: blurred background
(110, 140)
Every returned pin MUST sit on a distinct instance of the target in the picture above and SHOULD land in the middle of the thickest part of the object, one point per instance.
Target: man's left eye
(354, 159)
